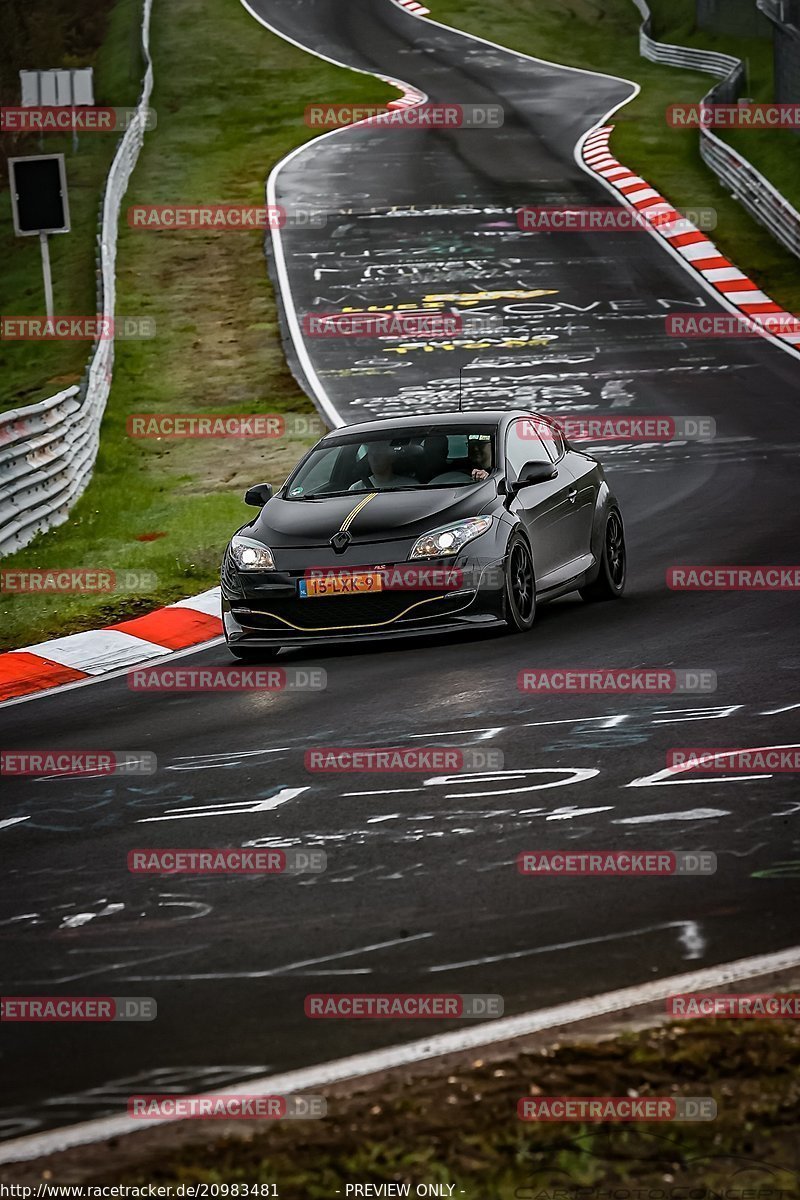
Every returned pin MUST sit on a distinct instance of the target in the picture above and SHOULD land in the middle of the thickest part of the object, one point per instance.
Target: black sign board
(39, 194)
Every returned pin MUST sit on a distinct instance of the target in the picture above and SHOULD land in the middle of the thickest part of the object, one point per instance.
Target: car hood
(388, 516)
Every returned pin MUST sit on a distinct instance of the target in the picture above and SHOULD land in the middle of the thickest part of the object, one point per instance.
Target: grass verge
(603, 35)
(462, 1129)
(774, 152)
(32, 371)
(230, 98)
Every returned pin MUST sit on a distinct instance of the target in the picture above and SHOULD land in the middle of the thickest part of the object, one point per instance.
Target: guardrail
(747, 185)
(48, 450)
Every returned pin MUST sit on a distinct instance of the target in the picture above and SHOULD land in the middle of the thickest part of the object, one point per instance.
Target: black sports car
(421, 525)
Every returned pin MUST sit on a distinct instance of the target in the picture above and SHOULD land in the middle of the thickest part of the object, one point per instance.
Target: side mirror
(531, 473)
(259, 495)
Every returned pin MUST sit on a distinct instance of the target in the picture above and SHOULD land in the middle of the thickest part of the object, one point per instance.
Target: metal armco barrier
(736, 173)
(48, 450)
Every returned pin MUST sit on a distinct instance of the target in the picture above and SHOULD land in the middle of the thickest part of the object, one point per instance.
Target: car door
(545, 509)
(586, 481)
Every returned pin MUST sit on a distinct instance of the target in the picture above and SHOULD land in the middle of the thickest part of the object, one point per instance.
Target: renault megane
(422, 525)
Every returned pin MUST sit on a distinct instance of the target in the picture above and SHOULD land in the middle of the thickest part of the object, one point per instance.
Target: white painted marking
(718, 274)
(695, 250)
(357, 1066)
(234, 809)
(692, 939)
(92, 680)
(691, 814)
(664, 778)
(292, 966)
(646, 193)
(12, 821)
(751, 297)
(579, 775)
(209, 602)
(534, 950)
(717, 712)
(97, 650)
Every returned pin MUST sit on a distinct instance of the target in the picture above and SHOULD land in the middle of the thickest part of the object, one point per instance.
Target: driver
(476, 466)
(381, 460)
(479, 459)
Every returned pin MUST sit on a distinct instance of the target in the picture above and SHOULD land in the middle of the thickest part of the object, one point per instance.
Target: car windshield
(436, 457)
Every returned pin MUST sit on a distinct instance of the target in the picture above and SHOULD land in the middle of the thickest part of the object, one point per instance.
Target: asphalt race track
(421, 891)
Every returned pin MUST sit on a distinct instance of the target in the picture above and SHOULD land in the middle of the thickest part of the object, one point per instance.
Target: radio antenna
(460, 388)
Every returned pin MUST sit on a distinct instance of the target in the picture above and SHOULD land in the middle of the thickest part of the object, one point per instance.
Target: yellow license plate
(341, 585)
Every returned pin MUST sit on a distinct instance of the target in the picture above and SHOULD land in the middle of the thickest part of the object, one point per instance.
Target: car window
(523, 445)
(553, 439)
(436, 456)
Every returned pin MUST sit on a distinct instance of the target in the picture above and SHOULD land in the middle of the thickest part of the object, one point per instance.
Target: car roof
(491, 416)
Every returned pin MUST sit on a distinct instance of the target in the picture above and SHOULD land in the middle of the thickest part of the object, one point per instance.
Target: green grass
(459, 1126)
(230, 98)
(32, 371)
(603, 35)
(775, 153)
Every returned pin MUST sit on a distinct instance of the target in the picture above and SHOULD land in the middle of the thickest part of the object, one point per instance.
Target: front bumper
(265, 609)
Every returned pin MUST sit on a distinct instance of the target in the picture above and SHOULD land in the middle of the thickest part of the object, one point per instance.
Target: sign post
(40, 205)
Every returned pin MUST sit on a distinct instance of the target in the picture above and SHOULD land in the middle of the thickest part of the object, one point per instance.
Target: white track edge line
(323, 399)
(357, 1066)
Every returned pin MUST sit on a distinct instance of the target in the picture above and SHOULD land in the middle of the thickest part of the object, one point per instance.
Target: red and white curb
(410, 97)
(694, 247)
(419, 10)
(79, 656)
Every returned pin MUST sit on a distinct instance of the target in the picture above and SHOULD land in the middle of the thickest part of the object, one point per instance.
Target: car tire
(252, 654)
(519, 586)
(610, 581)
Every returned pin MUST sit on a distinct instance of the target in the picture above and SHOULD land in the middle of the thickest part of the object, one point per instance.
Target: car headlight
(450, 538)
(250, 555)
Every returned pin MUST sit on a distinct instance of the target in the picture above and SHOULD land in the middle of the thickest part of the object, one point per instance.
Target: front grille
(346, 612)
